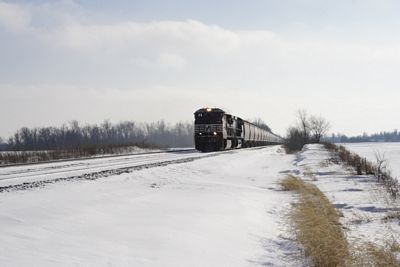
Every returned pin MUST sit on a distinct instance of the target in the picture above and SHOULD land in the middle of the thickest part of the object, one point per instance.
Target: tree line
(76, 136)
(260, 123)
(393, 136)
(73, 135)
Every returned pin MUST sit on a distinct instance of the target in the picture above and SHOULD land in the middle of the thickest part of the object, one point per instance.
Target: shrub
(294, 140)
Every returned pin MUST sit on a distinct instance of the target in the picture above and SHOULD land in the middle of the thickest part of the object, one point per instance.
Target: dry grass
(372, 255)
(317, 228)
(316, 225)
(361, 165)
(392, 216)
(292, 183)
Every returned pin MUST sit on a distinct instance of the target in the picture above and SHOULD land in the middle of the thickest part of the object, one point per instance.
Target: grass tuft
(292, 183)
(316, 225)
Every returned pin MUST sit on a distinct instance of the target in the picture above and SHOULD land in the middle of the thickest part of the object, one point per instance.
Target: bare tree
(304, 124)
(128, 133)
(381, 164)
(2, 144)
(318, 127)
(308, 129)
(260, 123)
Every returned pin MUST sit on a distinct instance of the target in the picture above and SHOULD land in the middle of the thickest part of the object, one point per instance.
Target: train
(215, 130)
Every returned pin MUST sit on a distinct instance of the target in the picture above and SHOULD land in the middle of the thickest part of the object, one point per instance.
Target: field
(179, 209)
(221, 210)
(390, 151)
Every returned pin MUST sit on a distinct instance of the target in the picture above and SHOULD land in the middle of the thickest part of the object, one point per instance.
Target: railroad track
(100, 157)
(54, 167)
(38, 175)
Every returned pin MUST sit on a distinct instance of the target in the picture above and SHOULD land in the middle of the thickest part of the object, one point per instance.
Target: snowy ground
(391, 151)
(360, 199)
(90, 168)
(224, 210)
(125, 151)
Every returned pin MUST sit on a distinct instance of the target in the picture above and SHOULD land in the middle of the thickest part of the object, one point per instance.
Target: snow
(17, 175)
(359, 198)
(390, 151)
(225, 210)
(123, 151)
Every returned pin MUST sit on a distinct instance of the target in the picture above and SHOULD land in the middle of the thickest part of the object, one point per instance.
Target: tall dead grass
(371, 255)
(317, 228)
(316, 225)
(383, 175)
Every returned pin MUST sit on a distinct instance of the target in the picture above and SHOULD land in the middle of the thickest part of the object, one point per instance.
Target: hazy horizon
(122, 60)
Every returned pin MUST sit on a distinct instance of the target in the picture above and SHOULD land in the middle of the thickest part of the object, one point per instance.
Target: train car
(215, 130)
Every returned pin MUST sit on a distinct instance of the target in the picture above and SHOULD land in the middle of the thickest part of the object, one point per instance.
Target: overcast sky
(92, 60)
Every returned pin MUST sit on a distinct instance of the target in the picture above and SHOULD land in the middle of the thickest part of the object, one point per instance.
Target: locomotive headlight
(199, 133)
(215, 133)
(209, 109)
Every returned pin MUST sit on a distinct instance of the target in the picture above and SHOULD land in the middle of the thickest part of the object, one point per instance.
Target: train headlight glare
(209, 109)
(215, 133)
(199, 133)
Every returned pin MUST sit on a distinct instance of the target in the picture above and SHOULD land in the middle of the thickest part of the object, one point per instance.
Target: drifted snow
(221, 211)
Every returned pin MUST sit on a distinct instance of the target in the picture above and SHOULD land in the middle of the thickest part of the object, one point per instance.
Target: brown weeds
(362, 166)
(292, 183)
(371, 255)
(316, 225)
(317, 228)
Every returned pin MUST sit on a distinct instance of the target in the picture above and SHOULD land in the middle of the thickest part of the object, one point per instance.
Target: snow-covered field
(34, 156)
(223, 210)
(93, 167)
(391, 152)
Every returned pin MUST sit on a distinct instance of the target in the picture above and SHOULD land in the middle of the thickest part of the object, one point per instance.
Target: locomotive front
(208, 129)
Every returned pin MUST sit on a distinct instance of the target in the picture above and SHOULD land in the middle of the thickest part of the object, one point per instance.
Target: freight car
(216, 130)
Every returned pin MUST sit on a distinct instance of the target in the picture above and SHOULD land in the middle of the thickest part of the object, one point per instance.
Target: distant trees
(3, 145)
(393, 136)
(308, 129)
(75, 136)
(260, 123)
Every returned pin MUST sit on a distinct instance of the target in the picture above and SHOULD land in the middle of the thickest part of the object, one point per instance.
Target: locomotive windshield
(208, 117)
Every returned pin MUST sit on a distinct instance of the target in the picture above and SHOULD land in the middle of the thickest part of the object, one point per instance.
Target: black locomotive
(216, 130)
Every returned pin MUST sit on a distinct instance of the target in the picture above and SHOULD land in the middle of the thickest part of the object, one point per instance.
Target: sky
(88, 60)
